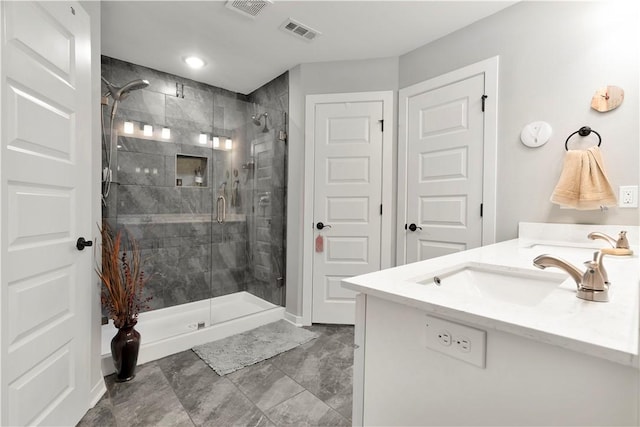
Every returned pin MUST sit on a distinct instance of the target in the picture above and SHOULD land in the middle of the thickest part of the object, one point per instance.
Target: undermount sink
(505, 284)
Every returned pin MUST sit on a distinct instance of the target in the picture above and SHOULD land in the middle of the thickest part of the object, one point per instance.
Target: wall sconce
(147, 130)
(228, 144)
(128, 127)
(166, 133)
(216, 142)
(203, 138)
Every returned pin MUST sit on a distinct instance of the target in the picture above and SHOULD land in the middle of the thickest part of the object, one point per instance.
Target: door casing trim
(386, 97)
(488, 67)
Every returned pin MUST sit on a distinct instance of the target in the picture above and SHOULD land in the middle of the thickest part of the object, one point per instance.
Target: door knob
(412, 227)
(81, 243)
(320, 226)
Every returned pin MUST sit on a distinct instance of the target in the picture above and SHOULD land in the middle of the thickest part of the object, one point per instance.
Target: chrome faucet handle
(595, 282)
(595, 276)
(622, 242)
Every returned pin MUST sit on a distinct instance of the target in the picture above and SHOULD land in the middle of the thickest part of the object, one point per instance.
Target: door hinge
(481, 208)
(381, 125)
(380, 208)
(483, 99)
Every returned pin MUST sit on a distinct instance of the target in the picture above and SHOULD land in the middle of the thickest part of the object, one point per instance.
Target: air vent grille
(299, 30)
(250, 8)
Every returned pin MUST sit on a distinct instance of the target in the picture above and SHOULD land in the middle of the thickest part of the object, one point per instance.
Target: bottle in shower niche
(198, 176)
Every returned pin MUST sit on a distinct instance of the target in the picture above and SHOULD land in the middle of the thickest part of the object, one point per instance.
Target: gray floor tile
(222, 404)
(209, 398)
(342, 333)
(342, 399)
(147, 400)
(305, 409)
(321, 366)
(309, 385)
(100, 415)
(265, 385)
(187, 373)
(318, 354)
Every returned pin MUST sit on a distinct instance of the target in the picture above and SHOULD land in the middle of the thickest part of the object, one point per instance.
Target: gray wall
(320, 78)
(553, 57)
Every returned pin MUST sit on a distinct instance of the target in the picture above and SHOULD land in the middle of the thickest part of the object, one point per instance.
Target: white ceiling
(244, 53)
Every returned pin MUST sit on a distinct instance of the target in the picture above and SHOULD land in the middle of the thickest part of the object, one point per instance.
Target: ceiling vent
(250, 8)
(299, 30)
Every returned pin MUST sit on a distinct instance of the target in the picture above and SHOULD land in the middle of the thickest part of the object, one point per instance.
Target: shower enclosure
(197, 175)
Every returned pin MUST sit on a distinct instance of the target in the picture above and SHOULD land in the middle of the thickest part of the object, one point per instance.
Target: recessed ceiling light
(194, 62)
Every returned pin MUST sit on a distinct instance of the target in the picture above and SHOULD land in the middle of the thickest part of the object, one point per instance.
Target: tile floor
(310, 385)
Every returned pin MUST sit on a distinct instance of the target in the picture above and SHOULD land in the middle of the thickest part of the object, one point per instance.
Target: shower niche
(191, 171)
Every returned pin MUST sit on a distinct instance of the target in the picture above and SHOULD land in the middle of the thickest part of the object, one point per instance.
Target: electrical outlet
(463, 344)
(456, 340)
(628, 197)
(444, 337)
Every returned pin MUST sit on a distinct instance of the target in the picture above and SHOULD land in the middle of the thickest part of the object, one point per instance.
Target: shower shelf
(191, 171)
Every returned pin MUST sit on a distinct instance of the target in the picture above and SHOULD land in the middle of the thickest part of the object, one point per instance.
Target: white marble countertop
(608, 330)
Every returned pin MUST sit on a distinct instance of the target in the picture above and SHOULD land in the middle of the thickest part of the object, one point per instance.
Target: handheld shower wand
(118, 94)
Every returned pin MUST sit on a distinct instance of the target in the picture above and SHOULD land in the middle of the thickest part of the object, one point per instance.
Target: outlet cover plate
(467, 344)
(628, 197)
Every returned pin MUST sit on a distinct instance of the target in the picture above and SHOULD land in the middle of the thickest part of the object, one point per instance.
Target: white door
(445, 130)
(45, 176)
(347, 201)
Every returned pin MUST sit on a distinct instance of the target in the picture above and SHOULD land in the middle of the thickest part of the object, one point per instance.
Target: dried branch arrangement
(122, 277)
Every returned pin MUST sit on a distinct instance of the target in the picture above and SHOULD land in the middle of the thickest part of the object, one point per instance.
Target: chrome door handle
(221, 213)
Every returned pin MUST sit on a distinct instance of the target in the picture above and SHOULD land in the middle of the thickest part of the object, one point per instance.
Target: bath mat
(237, 351)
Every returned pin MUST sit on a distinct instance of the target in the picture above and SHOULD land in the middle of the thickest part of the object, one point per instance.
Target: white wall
(553, 57)
(318, 78)
(96, 380)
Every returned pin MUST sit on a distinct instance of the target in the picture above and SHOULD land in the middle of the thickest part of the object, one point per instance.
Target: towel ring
(583, 131)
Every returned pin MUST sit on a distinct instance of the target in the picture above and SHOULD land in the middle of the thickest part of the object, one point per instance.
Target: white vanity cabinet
(561, 361)
(401, 382)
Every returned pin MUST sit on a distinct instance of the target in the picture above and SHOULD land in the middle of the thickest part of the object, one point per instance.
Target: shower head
(120, 93)
(256, 121)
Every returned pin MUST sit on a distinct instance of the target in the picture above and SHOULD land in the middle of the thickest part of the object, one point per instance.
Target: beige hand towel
(583, 183)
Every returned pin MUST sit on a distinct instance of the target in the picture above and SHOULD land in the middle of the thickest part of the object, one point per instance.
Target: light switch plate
(456, 340)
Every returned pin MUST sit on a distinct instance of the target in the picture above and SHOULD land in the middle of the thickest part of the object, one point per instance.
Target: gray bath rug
(237, 351)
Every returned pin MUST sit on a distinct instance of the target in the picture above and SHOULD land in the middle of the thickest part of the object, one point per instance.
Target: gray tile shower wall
(268, 240)
(190, 255)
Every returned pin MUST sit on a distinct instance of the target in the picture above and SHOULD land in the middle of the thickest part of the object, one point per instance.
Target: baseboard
(294, 320)
(96, 393)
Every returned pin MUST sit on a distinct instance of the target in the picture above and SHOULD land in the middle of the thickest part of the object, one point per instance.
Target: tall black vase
(124, 351)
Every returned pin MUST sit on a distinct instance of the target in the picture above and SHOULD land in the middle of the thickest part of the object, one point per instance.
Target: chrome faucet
(620, 243)
(592, 285)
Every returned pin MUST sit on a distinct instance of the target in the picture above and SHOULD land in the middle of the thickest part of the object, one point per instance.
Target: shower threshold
(173, 329)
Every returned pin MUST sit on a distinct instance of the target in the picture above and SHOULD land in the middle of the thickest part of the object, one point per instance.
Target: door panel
(46, 205)
(347, 197)
(444, 169)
